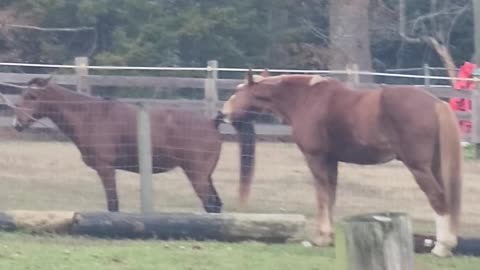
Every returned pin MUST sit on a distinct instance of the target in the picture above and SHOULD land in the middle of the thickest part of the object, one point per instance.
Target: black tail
(246, 135)
(218, 119)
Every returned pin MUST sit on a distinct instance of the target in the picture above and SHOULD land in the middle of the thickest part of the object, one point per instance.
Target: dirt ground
(52, 176)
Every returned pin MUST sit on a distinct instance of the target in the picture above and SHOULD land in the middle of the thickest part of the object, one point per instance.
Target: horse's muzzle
(17, 125)
(18, 128)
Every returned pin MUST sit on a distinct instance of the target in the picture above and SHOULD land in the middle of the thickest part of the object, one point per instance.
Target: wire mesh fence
(47, 170)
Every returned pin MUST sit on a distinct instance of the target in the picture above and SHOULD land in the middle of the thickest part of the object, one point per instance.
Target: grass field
(22, 252)
(52, 176)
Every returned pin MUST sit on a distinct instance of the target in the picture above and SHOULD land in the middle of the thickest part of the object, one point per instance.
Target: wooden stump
(381, 241)
(222, 227)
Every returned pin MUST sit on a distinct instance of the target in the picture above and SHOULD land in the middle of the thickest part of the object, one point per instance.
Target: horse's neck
(67, 113)
(288, 101)
(291, 101)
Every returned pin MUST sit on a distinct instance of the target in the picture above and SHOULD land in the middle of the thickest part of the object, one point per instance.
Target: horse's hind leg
(445, 235)
(429, 185)
(107, 175)
(202, 184)
(434, 191)
(332, 170)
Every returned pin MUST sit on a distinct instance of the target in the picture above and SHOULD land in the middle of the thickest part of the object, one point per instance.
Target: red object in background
(463, 104)
(465, 72)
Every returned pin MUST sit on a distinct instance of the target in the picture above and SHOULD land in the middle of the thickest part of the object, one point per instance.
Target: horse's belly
(367, 155)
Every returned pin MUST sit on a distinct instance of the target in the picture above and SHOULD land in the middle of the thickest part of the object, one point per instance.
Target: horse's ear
(265, 73)
(39, 82)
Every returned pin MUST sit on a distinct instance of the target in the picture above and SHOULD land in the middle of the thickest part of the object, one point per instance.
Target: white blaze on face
(227, 108)
(15, 121)
(317, 79)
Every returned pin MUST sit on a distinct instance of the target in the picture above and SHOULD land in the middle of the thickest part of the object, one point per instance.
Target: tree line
(306, 34)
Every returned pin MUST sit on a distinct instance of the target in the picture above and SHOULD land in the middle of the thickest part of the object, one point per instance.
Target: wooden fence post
(145, 158)
(426, 73)
(475, 131)
(81, 71)
(352, 73)
(375, 242)
(211, 93)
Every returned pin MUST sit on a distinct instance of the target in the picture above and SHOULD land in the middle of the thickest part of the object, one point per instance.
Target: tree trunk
(446, 58)
(349, 35)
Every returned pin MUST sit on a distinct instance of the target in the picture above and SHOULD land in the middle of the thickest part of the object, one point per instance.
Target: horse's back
(409, 107)
(411, 122)
(356, 133)
(367, 127)
(184, 137)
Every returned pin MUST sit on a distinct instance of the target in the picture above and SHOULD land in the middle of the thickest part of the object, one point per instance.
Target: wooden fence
(212, 87)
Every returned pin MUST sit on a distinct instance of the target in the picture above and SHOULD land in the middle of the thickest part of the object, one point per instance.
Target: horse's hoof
(323, 241)
(441, 250)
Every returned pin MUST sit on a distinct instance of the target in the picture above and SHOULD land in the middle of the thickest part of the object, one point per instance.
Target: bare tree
(433, 28)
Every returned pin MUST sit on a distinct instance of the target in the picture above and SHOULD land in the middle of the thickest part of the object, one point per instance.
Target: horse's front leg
(107, 175)
(325, 174)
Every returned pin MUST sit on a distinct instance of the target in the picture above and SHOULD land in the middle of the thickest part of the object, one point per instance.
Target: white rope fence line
(9, 103)
(306, 71)
(12, 85)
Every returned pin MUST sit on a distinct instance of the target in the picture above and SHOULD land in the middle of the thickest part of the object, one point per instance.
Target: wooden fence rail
(211, 85)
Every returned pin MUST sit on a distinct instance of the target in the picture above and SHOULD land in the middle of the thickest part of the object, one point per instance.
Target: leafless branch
(316, 32)
(308, 24)
(464, 9)
(420, 20)
(44, 29)
(384, 6)
(435, 30)
(94, 44)
(403, 22)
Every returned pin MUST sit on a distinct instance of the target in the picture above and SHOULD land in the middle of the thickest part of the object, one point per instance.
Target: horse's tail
(246, 135)
(451, 158)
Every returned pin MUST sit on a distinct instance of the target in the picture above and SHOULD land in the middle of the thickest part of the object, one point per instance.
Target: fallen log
(41, 221)
(273, 228)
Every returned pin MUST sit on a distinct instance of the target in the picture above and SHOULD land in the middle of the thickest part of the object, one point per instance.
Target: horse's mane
(45, 84)
(299, 79)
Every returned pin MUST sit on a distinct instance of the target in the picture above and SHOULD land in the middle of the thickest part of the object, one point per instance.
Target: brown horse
(332, 123)
(104, 131)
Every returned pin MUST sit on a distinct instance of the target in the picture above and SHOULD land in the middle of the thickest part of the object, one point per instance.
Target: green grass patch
(469, 152)
(22, 251)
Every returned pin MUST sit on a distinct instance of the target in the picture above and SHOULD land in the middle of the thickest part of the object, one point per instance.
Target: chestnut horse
(332, 123)
(104, 132)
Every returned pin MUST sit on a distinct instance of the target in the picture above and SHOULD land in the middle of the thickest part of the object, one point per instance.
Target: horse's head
(250, 98)
(29, 107)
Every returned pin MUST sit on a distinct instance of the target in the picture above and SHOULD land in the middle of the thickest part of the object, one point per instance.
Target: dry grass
(52, 176)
